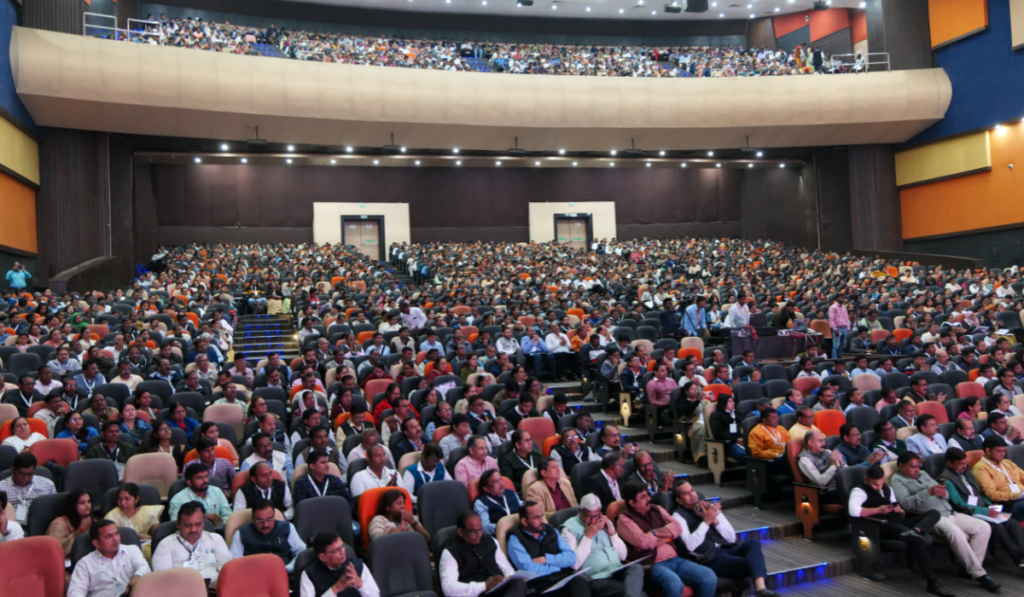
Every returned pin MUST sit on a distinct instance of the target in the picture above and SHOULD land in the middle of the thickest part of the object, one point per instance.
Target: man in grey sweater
(968, 537)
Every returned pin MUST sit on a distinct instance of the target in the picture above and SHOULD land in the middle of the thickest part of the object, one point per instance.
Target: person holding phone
(17, 276)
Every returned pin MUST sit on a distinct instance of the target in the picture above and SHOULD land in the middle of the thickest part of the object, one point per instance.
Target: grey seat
(863, 417)
(440, 504)
(43, 511)
(406, 576)
(24, 363)
(118, 392)
(148, 496)
(581, 474)
(94, 476)
(327, 513)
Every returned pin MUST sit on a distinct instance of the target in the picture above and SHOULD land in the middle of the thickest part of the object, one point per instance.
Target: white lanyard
(424, 475)
(775, 436)
(88, 385)
(319, 493)
(504, 500)
(266, 495)
(28, 402)
(528, 464)
(1001, 469)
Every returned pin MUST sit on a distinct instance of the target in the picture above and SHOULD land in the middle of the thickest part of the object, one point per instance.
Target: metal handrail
(868, 62)
(110, 25)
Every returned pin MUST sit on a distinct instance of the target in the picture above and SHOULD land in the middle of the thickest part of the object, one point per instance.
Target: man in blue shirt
(536, 547)
(695, 318)
(431, 342)
(536, 350)
(17, 276)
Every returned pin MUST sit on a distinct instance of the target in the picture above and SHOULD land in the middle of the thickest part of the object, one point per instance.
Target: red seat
(539, 428)
(966, 389)
(369, 501)
(936, 409)
(829, 421)
(806, 385)
(34, 566)
(63, 451)
(262, 575)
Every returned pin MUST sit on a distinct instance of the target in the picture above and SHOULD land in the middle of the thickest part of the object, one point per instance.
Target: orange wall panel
(789, 23)
(859, 24)
(984, 200)
(953, 19)
(18, 204)
(827, 22)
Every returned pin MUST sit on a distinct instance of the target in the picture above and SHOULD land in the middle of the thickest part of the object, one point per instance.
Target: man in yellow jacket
(768, 441)
(1001, 480)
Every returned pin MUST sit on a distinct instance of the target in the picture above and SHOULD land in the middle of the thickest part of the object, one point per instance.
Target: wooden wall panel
(874, 200)
(832, 171)
(63, 16)
(840, 42)
(901, 29)
(761, 33)
(953, 20)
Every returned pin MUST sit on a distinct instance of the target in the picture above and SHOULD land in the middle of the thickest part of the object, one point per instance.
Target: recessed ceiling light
(750, 6)
(614, 152)
(622, 10)
(458, 162)
(349, 149)
(711, 154)
(654, 12)
(536, 163)
(291, 148)
(718, 165)
(588, 9)
(750, 165)
(777, 9)
(498, 163)
(683, 165)
(484, 2)
(575, 163)
(288, 161)
(561, 152)
(245, 161)
(456, 150)
(997, 127)
(648, 164)
(612, 164)
(782, 165)
(403, 150)
(334, 161)
(661, 153)
(713, 4)
(198, 161)
(554, 7)
(792, 1)
(417, 162)
(752, 15)
(760, 154)
(375, 162)
(863, 4)
(223, 146)
(721, 15)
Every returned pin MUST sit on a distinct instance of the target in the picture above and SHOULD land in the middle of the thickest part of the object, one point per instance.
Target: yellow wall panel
(18, 152)
(944, 159)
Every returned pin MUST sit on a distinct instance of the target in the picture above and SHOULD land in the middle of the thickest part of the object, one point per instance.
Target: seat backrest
(409, 574)
(440, 504)
(262, 574)
(94, 476)
(793, 450)
(936, 409)
(83, 543)
(539, 428)
(863, 417)
(581, 474)
(327, 513)
(829, 421)
(43, 511)
(156, 469)
(32, 566)
(867, 381)
(369, 501)
(171, 583)
(63, 451)
(965, 389)
(806, 385)
(502, 528)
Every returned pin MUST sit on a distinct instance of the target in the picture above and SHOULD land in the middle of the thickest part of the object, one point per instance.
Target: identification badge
(21, 512)
(1014, 488)
(732, 428)
(193, 564)
(972, 500)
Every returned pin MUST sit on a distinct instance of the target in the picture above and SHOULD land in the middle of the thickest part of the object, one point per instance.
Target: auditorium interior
(699, 326)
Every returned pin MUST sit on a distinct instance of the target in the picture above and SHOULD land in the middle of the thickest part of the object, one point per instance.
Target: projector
(517, 152)
(634, 153)
(696, 5)
(673, 8)
(821, 6)
(256, 144)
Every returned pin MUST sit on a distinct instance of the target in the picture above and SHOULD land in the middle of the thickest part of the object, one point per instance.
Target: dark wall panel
(800, 37)
(999, 248)
(900, 28)
(840, 42)
(144, 215)
(122, 220)
(874, 201)
(443, 25)
(776, 205)
(761, 33)
(185, 235)
(833, 178)
(63, 16)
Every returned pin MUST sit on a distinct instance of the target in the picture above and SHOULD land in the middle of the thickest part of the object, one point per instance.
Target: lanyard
(116, 451)
(528, 464)
(775, 436)
(970, 489)
(424, 475)
(87, 385)
(504, 501)
(319, 493)
(185, 545)
(1001, 469)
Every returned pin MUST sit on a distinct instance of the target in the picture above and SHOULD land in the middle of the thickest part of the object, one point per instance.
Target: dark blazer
(14, 397)
(598, 486)
(656, 497)
(513, 417)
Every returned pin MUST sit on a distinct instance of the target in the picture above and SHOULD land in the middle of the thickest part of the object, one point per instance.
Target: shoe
(767, 593)
(988, 583)
(875, 577)
(935, 588)
(910, 533)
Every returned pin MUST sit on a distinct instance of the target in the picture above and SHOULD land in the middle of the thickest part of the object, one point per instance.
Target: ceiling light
(828, 2)
(456, 150)
(375, 162)
(750, 165)
(498, 163)
(612, 164)
(223, 146)
(782, 165)
(403, 150)
(575, 163)
(554, 7)
(760, 154)
(648, 164)
(334, 161)
(198, 161)
(752, 15)
(713, 4)
(683, 165)
(245, 161)
(721, 15)
(614, 152)
(750, 6)
(484, 3)
(777, 9)
(458, 162)
(561, 152)
(417, 161)
(718, 165)
(661, 153)
(622, 10)
(791, 1)
(998, 126)
(711, 154)
(654, 12)
(288, 161)
(349, 149)
(291, 148)
(863, 4)
(588, 9)
(536, 163)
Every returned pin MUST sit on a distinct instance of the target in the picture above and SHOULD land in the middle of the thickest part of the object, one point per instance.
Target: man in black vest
(267, 535)
(711, 540)
(472, 564)
(570, 451)
(263, 485)
(536, 547)
(875, 498)
(335, 573)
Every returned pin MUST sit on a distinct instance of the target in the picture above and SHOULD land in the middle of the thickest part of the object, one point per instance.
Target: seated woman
(724, 426)
(392, 517)
(74, 428)
(178, 416)
(75, 520)
(128, 513)
(132, 424)
(161, 441)
(22, 436)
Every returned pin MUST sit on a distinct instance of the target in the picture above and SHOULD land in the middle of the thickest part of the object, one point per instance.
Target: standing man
(839, 321)
(17, 277)
(695, 319)
(598, 547)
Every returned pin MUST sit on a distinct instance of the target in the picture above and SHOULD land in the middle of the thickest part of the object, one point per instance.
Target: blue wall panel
(987, 78)
(9, 100)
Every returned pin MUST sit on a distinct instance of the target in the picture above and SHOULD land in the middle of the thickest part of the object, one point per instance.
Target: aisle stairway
(256, 335)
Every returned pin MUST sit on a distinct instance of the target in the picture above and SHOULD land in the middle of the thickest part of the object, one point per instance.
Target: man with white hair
(598, 547)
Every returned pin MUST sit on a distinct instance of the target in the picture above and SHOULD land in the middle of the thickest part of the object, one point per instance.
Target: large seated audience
(415, 395)
(452, 55)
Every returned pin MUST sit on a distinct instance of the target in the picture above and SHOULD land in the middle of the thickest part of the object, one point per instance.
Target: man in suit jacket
(553, 491)
(657, 484)
(24, 396)
(523, 410)
(605, 484)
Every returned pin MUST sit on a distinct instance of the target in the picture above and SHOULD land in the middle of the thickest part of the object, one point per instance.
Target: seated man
(647, 473)
(267, 535)
(927, 440)
(768, 440)
(262, 484)
(554, 491)
(376, 474)
(520, 459)
(649, 530)
(472, 564)
(853, 452)
(111, 569)
(215, 505)
(711, 540)
(495, 500)
(221, 471)
(804, 422)
(876, 499)
(9, 529)
(367, 439)
(965, 494)
(478, 461)
(392, 517)
(460, 432)
(193, 547)
(967, 536)
(320, 439)
(887, 441)
(600, 549)
(965, 437)
(427, 470)
(820, 466)
(24, 486)
(611, 441)
(263, 451)
(605, 484)
(536, 547)
(570, 451)
(905, 416)
(319, 482)
(412, 439)
(999, 426)
(111, 448)
(1001, 479)
(794, 399)
(523, 410)
(335, 574)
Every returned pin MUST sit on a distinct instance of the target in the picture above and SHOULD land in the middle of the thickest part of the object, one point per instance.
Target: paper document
(1002, 518)
(565, 581)
(627, 565)
(523, 574)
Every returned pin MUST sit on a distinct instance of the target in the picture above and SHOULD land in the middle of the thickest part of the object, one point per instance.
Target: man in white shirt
(369, 438)
(507, 343)
(463, 576)
(413, 318)
(9, 529)
(193, 547)
(334, 572)
(109, 571)
(376, 474)
(559, 345)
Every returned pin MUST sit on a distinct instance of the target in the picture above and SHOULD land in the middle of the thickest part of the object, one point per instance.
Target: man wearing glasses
(598, 547)
(267, 535)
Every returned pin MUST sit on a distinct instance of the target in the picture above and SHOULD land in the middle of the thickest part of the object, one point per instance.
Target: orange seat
(539, 428)
(468, 330)
(527, 320)
(462, 310)
(420, 356)
(36, 407)
(358, 284)
(973, 375)
(344, 417)
(550, 443)
(369, 501)
(33, 566)
(892, 271)
(973, 456)
(261, 575)
(936, 409)
(35, 425)
(577, 312)
(221, 452)
(376, 386)
(877, 335)
(902, 334)
(193, 318)
(829, 421)
(242, 476)
(336, 280)
(966, 389)
(718, 388)
(690, 351)
(364, 336)
(806, 385)
(63, 451)
(441, 432)
(473, 337)
(474, 487)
